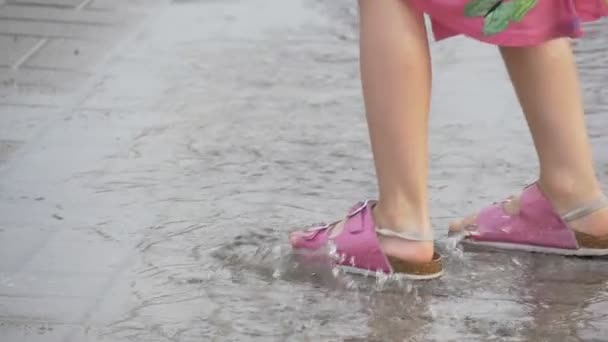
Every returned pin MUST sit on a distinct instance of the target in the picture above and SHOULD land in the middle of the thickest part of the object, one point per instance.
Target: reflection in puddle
(484, 295)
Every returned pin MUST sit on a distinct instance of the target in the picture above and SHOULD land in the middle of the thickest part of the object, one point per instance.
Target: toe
(511, 205)
(309, 239)
(461, 225)
(296, 238)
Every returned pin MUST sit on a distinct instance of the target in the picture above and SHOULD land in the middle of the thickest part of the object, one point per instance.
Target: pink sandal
(535, 228)
(359, 249)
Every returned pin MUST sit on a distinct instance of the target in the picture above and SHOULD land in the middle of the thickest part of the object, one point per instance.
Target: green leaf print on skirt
(498, 14)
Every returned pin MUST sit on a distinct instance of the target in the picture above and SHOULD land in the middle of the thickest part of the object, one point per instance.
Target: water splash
(335, 272)
(452, 245)
(332, 250)
(276, 274)
(381, 280)
(516, 262)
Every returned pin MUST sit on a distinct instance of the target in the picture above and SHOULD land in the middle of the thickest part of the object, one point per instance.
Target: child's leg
(547, 85)
(396, 76)
(395, 72)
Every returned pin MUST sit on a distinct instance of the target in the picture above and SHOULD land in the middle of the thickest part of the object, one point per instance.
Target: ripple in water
(277, 262)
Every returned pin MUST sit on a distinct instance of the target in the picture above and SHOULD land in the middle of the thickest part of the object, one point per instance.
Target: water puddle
(483, 295)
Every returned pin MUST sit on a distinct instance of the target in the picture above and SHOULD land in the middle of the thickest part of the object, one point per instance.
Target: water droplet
(332, 250)
(277, 252)
(458, 253)
(432, 313)
(452, 245)
(516, 262)
(453, 240)
(381, 279)
(351, 284)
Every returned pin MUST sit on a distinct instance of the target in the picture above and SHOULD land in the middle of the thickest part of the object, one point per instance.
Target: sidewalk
(153, 157)
(49, 51)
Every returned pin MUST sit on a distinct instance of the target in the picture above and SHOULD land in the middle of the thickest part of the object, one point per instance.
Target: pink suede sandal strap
(358, 245)
(535, 224)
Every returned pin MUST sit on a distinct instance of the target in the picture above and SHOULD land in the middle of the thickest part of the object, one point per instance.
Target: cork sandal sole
(536, 214)
(590, 242)
(581, 252)
(405, 270)
(401, 269)
(589, 246)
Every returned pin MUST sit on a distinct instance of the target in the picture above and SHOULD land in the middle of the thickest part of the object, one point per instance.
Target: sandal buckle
(359, 208)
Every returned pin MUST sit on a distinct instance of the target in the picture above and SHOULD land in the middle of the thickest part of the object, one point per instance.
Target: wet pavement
(145, 194)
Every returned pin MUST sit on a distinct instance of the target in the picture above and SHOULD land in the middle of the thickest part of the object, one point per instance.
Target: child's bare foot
(563, 202)
(541, 221)
(400, 248)
(361, 245)
(404, 249)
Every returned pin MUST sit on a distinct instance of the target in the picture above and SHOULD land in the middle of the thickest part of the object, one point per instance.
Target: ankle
(407, 219)
(566, 191)
(401, 217)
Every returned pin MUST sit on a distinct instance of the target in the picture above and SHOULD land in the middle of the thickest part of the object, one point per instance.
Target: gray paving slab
(18, 123)
(118, 6)
(32, 331)
(52, 3)
(104, 5)
(36, 84)
(7, 148)
(13, 48)
(56, 30)
(49, 48)
(26, 240)
(67, 310)
(61, 15)
(68, 55)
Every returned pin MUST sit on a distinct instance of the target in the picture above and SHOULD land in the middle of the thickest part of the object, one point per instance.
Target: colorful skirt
(511, 22)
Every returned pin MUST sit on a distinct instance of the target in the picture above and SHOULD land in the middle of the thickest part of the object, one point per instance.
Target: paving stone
(7, 148)
(33, 13)
(68, 54)
(11, 255)
(55, 45)
(14, 330)
(22, 123)
(14, 47)
(29, 86)
(81, 256)
(104, 5)
(56, 30)
(49, 3)
(45, 309)
(47, 284)
(118, 5)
